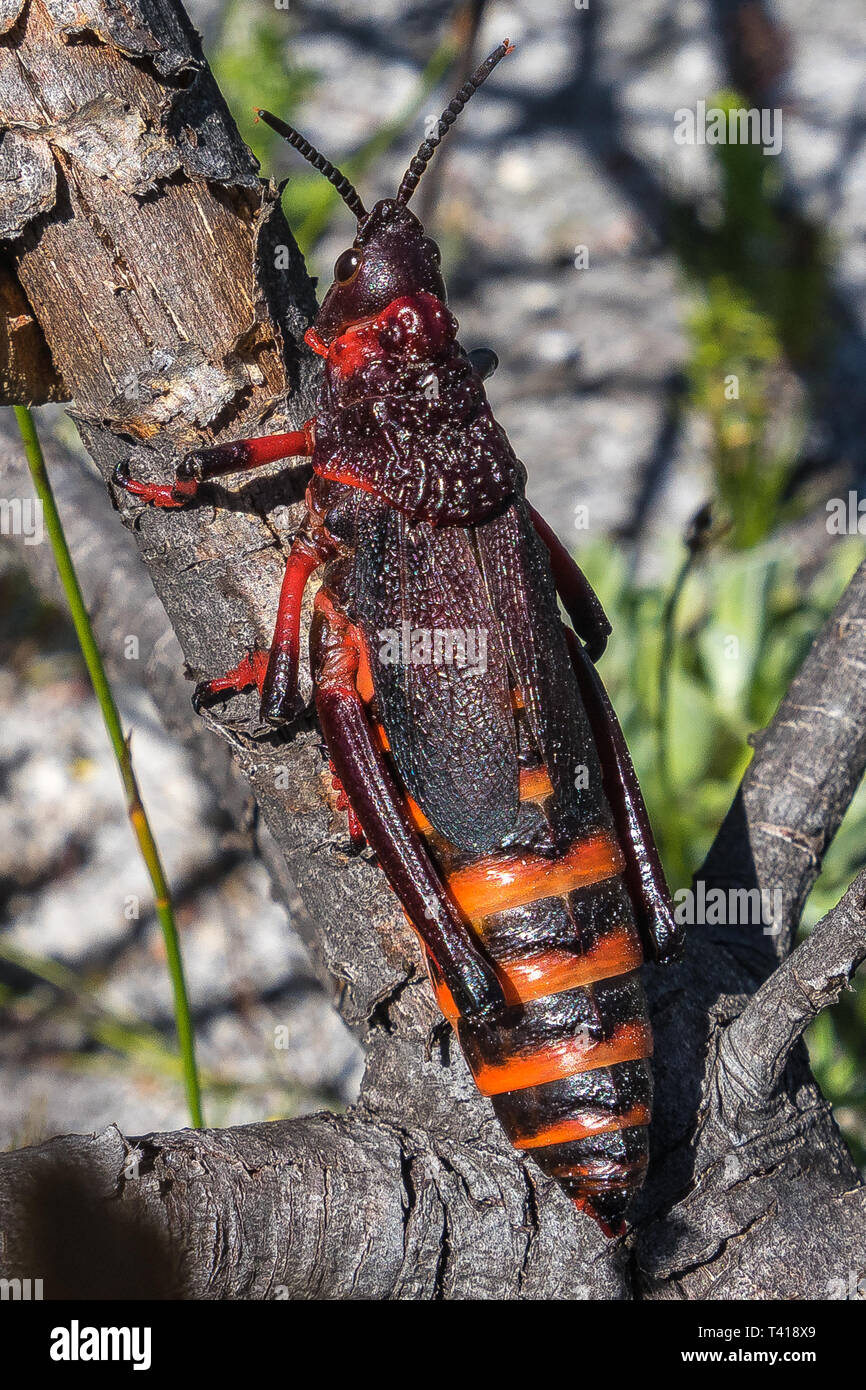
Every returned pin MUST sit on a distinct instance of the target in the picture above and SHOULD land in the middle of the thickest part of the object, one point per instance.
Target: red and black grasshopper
(499, 797)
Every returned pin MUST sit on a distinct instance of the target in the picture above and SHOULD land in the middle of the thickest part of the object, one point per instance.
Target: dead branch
(144, 243)
(755, 1048)
(809, 764)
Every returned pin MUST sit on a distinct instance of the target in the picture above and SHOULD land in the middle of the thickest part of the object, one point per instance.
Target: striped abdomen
(566, 1064)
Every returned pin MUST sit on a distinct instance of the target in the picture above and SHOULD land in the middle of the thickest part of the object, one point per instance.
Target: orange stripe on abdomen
(496, 883)
(582, 1126)
(551, 972)
(565, 1058)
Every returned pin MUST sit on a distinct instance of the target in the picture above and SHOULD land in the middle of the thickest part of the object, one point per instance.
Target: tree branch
(323, 1207)
(757, 1045)
(809, 763)
(145, 245)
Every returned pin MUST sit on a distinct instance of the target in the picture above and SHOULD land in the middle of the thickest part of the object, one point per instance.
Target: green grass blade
(120, 744)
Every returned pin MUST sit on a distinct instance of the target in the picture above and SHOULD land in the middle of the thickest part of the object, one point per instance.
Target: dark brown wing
(520, 588)
(440, 674)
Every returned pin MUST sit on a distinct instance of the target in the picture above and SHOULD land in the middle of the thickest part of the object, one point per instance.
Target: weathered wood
(790, 804)
(27, 375)
(145, 244)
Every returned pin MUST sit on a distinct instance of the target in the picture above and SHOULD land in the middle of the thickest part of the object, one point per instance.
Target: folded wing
(440, 673)
(520, 591)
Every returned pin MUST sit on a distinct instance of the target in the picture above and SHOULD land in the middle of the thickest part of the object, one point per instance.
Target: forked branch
(144, 216)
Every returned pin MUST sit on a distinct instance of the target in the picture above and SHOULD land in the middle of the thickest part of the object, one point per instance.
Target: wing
(440, 674)
(520, 589)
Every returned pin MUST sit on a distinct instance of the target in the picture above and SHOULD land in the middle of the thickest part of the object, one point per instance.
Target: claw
(159, 494)
(281, 720)
(198, 696)
(250, 671)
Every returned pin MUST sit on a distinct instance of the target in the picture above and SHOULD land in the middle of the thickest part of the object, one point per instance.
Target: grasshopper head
(391, 255)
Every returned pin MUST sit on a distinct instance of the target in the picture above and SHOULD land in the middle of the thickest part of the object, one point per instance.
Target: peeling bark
(144, 245)
(27, 375)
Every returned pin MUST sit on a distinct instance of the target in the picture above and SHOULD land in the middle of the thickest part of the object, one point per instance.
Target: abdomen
(566, 1064)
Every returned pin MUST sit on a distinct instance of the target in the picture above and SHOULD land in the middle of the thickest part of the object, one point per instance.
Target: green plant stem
(120, 744)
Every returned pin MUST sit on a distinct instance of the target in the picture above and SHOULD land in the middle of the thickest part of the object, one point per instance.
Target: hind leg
(384, 817)
(663, 935)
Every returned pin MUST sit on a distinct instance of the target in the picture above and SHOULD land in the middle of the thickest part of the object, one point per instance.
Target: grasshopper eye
(346, 265)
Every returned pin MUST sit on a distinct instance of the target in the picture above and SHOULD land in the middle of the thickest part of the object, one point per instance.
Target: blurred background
(681, 329)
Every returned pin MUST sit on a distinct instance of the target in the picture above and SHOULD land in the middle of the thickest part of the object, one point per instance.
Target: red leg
(381, 811)
(250, 671)
(644, 873)
(281, 681)
(276, 672)
(203, 464)
(582, 603)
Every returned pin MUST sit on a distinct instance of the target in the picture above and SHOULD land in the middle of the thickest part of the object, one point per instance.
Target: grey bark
(144, 241)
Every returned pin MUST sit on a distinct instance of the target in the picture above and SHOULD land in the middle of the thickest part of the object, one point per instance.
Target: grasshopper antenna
(346, 189)
(413, 174)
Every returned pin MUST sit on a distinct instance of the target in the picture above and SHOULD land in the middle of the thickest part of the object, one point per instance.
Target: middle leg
(275, 672)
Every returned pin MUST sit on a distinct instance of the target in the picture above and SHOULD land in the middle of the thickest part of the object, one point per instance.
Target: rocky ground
(570, 146)
(74, 891)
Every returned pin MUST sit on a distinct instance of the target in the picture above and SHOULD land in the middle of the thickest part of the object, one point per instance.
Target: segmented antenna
(344, 187)
(413, 174)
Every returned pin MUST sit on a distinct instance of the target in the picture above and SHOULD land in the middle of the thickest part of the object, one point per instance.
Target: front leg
(238, 456)
(383, 816)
